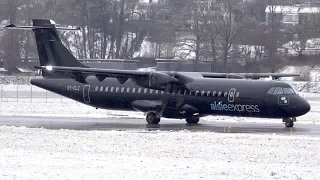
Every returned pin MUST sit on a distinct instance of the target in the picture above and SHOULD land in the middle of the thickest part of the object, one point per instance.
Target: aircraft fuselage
(202, 97)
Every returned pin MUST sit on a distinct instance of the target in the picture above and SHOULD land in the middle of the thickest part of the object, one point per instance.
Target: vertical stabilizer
(50, 48)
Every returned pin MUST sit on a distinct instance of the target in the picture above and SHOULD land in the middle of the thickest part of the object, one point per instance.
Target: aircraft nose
(303, 107)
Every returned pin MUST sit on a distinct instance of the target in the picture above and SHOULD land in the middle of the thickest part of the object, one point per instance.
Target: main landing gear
(152, 118)
(289, 122)
(193, 120)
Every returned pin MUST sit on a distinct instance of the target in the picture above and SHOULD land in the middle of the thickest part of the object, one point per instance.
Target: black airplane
(178, 95)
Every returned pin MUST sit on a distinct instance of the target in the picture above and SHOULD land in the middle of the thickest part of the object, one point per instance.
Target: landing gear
(193, 120)
(289, 122)
(152, 118)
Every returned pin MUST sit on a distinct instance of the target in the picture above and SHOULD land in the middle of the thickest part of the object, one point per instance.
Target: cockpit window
(278, 91)
(271, 90)
(288, 91)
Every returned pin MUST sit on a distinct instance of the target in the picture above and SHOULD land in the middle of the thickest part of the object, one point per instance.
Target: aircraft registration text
(73, 88)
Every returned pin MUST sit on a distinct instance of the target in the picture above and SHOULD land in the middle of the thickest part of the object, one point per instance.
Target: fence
(28, 93)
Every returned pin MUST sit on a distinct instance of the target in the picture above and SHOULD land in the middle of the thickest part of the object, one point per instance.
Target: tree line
(227, 33)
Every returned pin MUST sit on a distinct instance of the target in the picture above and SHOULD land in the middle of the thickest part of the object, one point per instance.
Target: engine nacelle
(156, 80)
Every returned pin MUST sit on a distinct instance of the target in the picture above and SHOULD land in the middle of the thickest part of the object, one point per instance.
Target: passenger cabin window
(107, 89)
(203, 93)
(191, 92)
(214, 93)
(197, 92)
(208, 93)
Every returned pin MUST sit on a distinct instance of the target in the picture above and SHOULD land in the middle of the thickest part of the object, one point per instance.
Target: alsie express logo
(234, 107)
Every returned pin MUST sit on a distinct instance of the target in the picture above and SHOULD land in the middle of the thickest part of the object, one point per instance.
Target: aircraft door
(231, 95)
(86, 94)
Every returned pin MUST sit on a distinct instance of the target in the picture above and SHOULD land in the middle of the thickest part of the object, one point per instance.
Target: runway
(127, 124)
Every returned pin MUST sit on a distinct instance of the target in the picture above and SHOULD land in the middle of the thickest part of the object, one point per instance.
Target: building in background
(3, 71)
(297, 14)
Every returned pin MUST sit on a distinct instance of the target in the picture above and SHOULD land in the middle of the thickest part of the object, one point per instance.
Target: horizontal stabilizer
(12, 26)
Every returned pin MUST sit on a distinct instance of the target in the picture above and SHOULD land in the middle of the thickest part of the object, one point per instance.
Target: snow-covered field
(27, 153)
(64, 154)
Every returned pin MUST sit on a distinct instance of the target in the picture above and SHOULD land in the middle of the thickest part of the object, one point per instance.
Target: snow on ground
(64, 154)
(59, 107)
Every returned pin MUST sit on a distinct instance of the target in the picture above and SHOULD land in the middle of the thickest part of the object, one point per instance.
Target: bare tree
(12, 50)
(276, 12)
(230, 25)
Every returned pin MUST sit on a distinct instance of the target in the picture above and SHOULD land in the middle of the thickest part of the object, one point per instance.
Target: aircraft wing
(95, 71)
(248, 75)
(150, 79)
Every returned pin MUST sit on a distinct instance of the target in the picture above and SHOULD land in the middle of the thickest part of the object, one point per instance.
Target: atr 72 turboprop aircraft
(179, 95)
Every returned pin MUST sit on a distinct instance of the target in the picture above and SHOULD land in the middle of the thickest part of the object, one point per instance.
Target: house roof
(297, 9)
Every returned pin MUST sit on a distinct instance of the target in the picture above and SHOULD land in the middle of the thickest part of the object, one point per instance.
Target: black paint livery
(180, 95)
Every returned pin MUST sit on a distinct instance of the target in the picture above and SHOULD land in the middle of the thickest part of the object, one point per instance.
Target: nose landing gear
(289, 122)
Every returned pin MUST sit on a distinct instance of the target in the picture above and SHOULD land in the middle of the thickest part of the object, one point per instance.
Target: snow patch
(64, 154)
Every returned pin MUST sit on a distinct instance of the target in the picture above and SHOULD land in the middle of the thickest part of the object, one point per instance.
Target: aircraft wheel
(193, 120)
(152, 118)
(289, 124)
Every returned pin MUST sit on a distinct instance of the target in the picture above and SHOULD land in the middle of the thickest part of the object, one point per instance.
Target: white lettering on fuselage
(234, 107)
(73, 88)
(231, 107)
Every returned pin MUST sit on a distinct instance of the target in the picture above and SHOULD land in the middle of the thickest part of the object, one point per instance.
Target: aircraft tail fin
(51, 50)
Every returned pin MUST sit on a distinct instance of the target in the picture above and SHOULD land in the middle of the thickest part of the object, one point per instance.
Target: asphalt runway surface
(127, 124)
